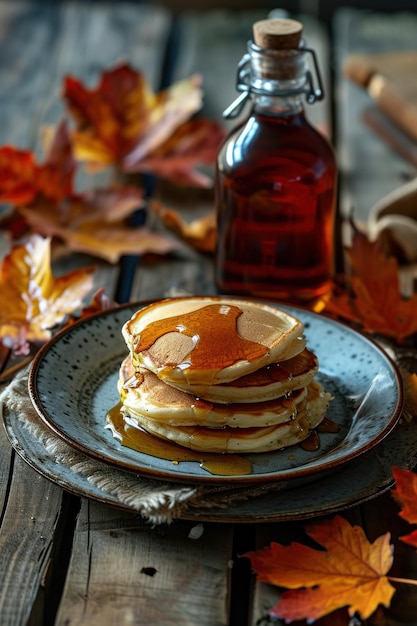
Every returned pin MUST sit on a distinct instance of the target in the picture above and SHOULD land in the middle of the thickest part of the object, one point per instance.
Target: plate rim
(216, 515)
(128, 465)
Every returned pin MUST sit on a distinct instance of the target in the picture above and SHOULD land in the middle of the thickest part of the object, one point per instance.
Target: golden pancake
(267, 383)
(144, 395)
(244, 440)
(210, 340)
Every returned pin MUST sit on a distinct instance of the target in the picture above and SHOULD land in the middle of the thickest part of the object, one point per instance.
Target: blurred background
(323, 9)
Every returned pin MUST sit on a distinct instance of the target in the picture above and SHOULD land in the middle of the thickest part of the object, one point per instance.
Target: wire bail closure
(312, 91)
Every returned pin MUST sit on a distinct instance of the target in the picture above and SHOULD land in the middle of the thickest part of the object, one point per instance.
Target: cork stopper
(277, 34)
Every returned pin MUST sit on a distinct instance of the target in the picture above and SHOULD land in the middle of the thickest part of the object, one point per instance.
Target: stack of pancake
(220, 375)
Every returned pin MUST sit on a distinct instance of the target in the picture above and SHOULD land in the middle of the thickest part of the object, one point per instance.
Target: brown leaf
(349, 572)
(109, 117)
(58, 169)
(87, 225)
(371, 297)
(18, 176)
(110, 242)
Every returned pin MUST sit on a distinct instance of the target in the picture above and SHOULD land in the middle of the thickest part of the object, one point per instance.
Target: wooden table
(69, 560)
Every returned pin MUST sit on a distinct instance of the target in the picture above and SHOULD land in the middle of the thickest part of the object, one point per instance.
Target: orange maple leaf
(371, 298)
(123, 122)
(350, 572)
(109, 117)
(405, 493)
(33, 300)
(22, 179)
(199, 234)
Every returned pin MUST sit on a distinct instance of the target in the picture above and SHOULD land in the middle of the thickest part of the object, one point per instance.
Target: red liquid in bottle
(275, 194)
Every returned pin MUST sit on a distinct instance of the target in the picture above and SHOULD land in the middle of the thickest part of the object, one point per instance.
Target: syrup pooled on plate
(139, 440)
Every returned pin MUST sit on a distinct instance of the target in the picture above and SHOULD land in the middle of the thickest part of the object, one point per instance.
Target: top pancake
(210, 340)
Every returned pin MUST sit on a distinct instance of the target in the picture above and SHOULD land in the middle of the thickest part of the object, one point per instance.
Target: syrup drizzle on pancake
(214, 334)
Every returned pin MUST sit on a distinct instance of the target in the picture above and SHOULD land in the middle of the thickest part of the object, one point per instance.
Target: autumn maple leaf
(33, 300)
(123, 122)
(199, 233)
(371, 297)
(94, 223)
(405, 493)
(195, 141)
(23, 179)
(350, 572)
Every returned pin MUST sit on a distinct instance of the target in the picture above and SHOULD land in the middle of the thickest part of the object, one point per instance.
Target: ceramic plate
(351, 484)
(73, 384)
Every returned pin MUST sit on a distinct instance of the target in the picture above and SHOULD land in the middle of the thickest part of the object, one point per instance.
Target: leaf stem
(407, 581)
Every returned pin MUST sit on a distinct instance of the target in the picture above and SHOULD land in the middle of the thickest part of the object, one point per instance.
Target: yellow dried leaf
(33, 300)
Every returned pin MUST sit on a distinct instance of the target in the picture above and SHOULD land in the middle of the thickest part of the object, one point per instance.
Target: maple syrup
(214, 337)
(275, 180)
(311, 443)
(215, 463)
(141, 441)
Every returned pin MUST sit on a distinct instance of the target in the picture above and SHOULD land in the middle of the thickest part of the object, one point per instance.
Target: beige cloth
(396, 214)
(156, 501)
(393, 222)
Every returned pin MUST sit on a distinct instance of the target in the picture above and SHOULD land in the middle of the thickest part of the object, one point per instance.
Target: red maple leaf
(124, 123)
(405, 493)
(23, 179)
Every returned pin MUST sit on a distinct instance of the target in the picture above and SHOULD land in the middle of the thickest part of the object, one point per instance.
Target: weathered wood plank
(81, 39)
(30, 514)
(39, 44)
(125, 572)
(30, 505)
(42, 42)
(94, 37)
(370, 170)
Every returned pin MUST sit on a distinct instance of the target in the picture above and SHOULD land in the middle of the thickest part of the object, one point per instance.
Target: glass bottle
(276, 177)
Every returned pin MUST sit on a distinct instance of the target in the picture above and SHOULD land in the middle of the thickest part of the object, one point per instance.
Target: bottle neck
(279, 106)
(276, 80)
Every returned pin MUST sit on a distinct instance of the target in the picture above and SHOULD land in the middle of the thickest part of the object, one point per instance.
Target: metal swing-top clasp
(244, 83)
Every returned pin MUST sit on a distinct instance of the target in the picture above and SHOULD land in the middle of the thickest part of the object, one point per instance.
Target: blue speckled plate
(73, 384)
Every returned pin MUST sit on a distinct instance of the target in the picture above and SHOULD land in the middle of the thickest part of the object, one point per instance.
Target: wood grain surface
(69, 561)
